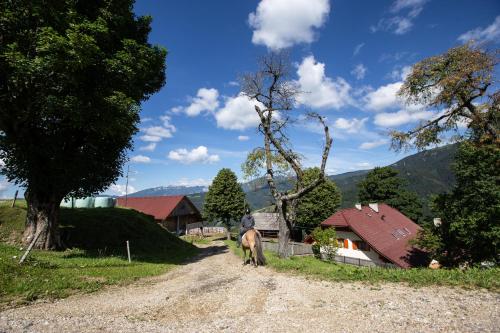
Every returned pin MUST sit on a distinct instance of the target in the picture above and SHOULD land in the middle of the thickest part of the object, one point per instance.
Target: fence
(199, 229)
(294, 249)
(298, 249)
(356, 261)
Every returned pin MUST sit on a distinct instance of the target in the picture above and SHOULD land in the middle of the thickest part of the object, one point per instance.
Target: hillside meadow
(96, 256)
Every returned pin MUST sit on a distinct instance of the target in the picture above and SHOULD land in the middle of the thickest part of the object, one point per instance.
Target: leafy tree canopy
(319, 204)
(470, 213)
(382, 184)
(458, 83)
(225, 199)
(72, 76)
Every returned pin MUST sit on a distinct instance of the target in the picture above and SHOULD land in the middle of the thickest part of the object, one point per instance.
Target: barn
(171, 212)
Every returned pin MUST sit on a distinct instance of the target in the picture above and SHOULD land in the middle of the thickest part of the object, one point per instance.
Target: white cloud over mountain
(206, 100)
(392, 119)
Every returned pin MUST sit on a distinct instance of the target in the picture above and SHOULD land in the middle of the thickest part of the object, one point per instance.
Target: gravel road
(215, 293)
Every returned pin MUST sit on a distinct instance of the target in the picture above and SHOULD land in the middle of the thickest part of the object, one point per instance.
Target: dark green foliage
(320, 203)
(225, 200)
(470, 213)
(72, 76)
(384, 185)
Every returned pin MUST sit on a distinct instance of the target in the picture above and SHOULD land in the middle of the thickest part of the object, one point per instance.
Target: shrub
(325, 239)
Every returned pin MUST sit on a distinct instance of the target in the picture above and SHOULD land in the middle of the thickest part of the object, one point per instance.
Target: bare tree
(275, 97)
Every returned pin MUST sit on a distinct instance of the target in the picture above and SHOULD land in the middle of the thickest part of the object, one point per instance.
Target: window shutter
(346, 243)
(355, 245)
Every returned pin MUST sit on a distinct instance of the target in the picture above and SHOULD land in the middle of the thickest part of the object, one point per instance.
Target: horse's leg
(244, 255)
(254, 254)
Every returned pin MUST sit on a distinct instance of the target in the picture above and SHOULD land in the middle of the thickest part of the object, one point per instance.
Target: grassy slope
(98, 257)
(312, 267)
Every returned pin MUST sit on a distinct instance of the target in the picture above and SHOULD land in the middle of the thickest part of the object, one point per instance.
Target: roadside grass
(309, 266)
(97, 256)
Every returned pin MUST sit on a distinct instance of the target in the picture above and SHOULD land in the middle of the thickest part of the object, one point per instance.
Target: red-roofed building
(172, 212)
(376, 233)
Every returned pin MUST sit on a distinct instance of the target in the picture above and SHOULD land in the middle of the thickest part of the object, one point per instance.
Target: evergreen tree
(470, 213)
(225, 200)
(72, 77)
(383, 185)
(319, 204)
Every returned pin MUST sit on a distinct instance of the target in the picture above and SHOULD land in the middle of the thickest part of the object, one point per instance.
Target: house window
(360, 245)
(340, 243)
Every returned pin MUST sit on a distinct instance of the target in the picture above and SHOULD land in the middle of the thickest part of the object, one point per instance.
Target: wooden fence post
(128, 252)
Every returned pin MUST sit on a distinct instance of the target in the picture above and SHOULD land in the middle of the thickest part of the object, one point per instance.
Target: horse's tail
(261, 260)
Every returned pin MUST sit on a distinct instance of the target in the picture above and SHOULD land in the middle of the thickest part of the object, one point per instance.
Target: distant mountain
(426, 173)
(168, 190)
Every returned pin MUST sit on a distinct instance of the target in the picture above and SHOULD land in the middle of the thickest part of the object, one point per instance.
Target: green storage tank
(104, 202)
(87, 202)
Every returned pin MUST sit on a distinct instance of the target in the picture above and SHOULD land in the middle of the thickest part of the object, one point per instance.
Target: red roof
(160, 207)
(387, 231)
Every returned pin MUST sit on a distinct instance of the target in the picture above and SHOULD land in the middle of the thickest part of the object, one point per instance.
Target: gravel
(215, 293)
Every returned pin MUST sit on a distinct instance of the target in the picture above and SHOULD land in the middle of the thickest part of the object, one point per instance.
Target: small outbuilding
(171, 212)
(267, 224)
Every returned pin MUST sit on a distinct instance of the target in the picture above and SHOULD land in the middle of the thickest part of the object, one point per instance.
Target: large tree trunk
(284, 231)
(42, 217)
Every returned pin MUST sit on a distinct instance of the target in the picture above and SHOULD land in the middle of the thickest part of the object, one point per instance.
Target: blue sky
(350, 56)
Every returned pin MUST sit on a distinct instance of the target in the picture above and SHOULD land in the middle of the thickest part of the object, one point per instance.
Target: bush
(325, 239)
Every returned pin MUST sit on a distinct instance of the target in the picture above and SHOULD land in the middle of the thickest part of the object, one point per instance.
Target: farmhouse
(172, 212)
(375, 235)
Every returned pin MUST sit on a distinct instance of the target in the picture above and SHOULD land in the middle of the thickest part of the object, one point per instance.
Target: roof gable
(160, 207)
(387, 231)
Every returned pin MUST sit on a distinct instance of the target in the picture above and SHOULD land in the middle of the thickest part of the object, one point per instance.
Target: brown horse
(251, 240)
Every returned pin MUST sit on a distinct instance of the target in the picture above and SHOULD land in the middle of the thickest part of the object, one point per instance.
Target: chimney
(374, 207)
(358, 206)
(437, 222)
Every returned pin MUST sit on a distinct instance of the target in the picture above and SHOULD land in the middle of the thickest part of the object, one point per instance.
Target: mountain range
(426, 173)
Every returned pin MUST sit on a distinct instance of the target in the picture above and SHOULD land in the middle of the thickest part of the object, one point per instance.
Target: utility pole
(126, 186)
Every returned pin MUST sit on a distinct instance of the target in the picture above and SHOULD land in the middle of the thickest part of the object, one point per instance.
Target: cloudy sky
(349, 56)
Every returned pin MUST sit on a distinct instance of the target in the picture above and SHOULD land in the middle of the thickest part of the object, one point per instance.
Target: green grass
(195, 239)
(97, 257)
(311, 267)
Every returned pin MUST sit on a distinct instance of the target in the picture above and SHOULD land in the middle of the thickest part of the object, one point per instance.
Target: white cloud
(280, 24)
(400, 24)
(206, 100)
(320, 91)
(350, 126)
(157, 133)
(357, 49)
(149, 147)
(140, 159)
(359, 71)
(364, 165)
(391, 119)
(120, 189)
(243, 138)
(489, 34)
(383, 97)
(373, 144)
(196, 155)
(238, 113)
(400, 73)
(193, 182)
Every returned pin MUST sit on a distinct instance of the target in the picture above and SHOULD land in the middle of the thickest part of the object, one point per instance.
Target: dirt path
(215, 293)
